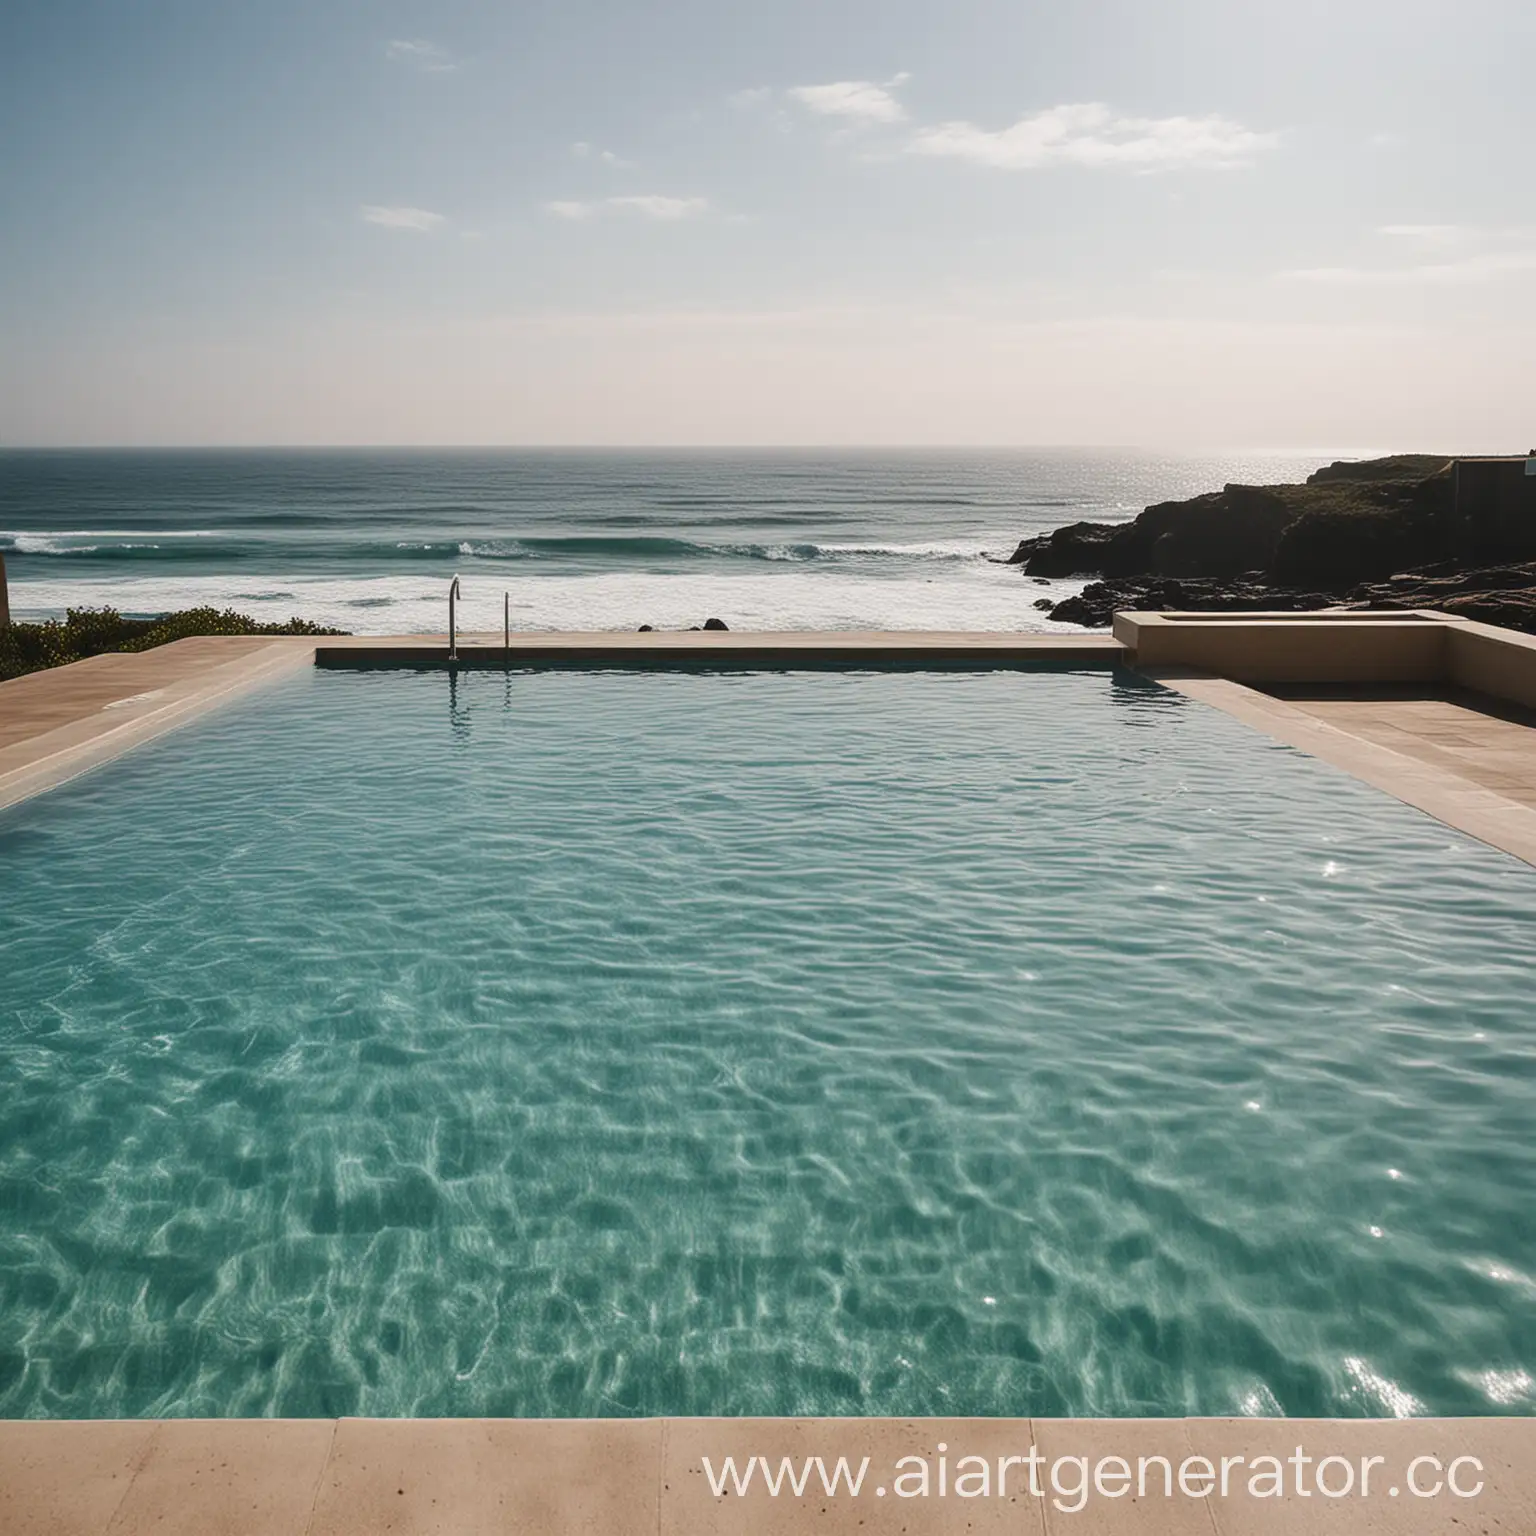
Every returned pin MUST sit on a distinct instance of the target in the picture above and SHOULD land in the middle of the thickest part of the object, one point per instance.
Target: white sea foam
(975, 596)
(30, 542)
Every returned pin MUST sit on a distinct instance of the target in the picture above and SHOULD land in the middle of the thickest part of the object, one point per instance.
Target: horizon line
(1352, 451)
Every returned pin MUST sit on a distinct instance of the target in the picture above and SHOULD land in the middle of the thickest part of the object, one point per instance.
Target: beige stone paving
(488, 1477)
(1484, 740)
(44, 701)
(58, 723)
(230, 1476)
(646, 1477)
(57, 1479)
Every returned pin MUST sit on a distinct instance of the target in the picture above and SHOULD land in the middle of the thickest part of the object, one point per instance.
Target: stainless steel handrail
(453, 628)
(506, 621)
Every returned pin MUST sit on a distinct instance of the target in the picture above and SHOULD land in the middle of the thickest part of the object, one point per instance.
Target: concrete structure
(893, 649)
(1496, 499)
(1383, 646)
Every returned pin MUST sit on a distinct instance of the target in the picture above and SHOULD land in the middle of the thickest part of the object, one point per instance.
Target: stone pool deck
(57, 724)
(647, 1477)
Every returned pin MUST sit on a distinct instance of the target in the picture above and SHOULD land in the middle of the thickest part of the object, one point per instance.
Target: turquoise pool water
(612, 1044)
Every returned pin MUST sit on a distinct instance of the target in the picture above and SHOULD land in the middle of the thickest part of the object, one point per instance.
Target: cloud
(1091, 134)
(581, 150)
(652, 206)
(1465, 255)
(754, 96)
(861, 101)
(424, 55)
(662, 207)
(1439, 234)
(1472, 269)
(417, 219)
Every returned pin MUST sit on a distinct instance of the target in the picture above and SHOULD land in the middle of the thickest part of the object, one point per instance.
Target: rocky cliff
(1379, 533)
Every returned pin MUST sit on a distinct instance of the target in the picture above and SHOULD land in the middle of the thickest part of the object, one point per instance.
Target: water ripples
(601, 1044)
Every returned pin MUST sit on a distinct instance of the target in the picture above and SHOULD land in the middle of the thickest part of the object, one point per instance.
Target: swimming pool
(586, 1044)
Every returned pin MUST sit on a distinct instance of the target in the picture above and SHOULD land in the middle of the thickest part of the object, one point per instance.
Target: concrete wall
(1373, 647)
(1493, 661)
(1292, 647)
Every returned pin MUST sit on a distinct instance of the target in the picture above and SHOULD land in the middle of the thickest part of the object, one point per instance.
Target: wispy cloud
(1458, 253)
(1091, 134)
(417, 219)
(1437, 234)
(422, 54)
(1470, 269)
(581, 150)
(662, 207)
(860, 101)
(652, 206)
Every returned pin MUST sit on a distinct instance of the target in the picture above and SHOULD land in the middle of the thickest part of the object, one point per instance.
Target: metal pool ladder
(453, 628)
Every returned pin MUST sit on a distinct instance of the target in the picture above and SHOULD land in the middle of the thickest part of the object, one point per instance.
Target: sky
(1199, 224)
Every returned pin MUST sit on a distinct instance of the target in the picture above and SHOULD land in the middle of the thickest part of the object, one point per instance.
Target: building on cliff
(1496, 499)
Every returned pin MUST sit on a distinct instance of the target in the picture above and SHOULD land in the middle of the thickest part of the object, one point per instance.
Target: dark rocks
(1407, 531)
(1222, 533)
(646, 629)
(716, 624)
(1077, 550)
(1509, 610)
(1099, 601)
(1503, 595)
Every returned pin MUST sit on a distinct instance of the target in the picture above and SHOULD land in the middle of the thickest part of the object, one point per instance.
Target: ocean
(368, 540)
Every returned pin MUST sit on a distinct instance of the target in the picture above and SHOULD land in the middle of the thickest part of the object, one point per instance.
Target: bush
(94, 631)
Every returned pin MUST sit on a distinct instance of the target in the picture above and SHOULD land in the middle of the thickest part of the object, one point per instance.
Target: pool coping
(641, 1477)
(714, 648)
